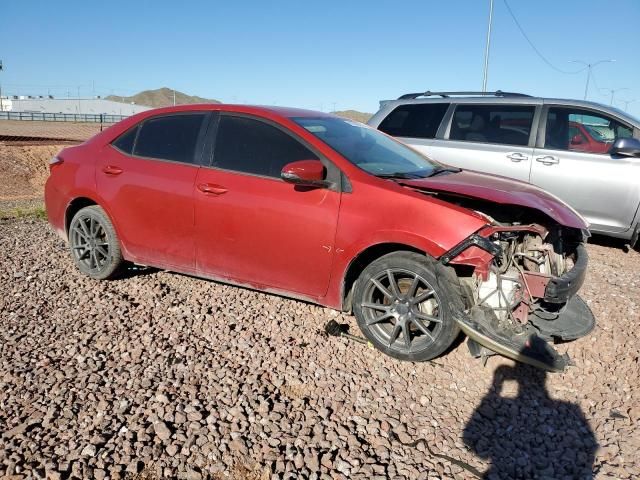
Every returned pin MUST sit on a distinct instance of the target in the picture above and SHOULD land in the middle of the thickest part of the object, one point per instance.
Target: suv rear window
(170, 137)
(503, 124)
(418, 120)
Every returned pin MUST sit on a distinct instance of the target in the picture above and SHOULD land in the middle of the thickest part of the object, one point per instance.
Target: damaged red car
(323, 209)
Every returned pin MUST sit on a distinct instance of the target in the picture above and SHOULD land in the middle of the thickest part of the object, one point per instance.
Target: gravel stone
(162, 375)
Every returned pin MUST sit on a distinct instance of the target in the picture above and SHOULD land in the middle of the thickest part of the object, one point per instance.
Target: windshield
(368, 148)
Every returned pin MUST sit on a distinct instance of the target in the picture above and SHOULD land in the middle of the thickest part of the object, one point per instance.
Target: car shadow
(524, 433)
(612, 242)
(131, 271)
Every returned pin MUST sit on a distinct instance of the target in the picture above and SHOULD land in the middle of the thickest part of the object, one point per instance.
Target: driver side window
(584, 131)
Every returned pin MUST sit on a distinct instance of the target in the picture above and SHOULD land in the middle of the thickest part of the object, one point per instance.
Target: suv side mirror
(626, 147)
(307, 173)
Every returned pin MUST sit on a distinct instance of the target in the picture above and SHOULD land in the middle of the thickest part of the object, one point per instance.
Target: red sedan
(315, 207)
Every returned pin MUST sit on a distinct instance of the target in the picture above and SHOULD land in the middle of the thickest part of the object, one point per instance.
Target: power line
(526, 37)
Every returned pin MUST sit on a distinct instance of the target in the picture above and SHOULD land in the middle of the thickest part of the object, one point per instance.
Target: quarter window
(418, 120)
(251, 146)
(171, 137)
(582, 131)
(502, 124)
(125, 141)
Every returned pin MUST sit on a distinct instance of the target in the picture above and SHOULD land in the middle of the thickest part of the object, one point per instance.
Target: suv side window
(503, 124)
(170, 137)
(252, 146)
(417, 120)
(584, 131)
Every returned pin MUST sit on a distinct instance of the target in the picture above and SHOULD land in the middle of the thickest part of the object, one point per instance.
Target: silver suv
(583, 152)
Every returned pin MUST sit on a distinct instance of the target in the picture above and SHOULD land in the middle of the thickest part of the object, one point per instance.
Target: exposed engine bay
(520, 291)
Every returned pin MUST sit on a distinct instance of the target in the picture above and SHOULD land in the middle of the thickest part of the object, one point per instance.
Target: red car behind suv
(315, 207)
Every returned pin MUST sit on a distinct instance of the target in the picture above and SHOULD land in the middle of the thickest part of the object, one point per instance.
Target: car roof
(513, 99)
(260, 110)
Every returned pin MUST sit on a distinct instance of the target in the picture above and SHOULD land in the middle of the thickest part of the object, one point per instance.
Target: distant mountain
(162, 97)
(354, 115)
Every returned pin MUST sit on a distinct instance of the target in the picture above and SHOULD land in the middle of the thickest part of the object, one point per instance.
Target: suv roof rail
(497, 93)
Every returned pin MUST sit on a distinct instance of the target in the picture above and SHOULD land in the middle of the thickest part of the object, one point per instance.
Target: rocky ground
(160, 375)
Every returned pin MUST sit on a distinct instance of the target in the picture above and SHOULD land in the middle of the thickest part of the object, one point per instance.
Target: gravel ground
(160, 375)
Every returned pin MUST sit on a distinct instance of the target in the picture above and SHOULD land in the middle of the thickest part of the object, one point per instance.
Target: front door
(146, 180)
(254, 228)
(574, 164)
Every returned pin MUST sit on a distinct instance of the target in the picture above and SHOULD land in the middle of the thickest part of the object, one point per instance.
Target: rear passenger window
(124, 142)
(251, 146)
(418, 120)
(503, 124)
(171, 137)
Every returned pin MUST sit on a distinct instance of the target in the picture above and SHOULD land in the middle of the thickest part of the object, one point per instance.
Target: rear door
(496, 139)
(254, 228)
(146, 180)
(572, 162)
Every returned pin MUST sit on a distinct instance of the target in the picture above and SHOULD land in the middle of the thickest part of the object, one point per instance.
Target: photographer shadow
(526, 434)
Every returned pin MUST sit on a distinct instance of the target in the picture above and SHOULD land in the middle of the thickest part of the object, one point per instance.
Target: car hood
(501, 190)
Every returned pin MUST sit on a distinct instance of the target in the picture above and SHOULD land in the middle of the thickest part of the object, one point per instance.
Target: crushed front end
(520, 282)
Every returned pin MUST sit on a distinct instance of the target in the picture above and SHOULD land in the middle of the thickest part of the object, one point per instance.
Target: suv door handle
(212, 189)
(548, 160)
(112, 170)
(517, 157)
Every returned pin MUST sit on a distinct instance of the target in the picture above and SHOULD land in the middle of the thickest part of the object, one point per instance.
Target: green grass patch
(30, 212)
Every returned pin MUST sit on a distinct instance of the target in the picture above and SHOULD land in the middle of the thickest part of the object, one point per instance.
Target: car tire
(94, 244)
(413, 319)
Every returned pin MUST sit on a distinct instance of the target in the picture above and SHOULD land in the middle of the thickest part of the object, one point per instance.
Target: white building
(95, 106)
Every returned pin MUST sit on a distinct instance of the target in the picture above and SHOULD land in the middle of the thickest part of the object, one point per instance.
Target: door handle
(212, 189)
(517, 157)
(112, 170)
(548, 160)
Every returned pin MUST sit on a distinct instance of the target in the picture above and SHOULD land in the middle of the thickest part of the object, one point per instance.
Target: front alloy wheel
(404, 308)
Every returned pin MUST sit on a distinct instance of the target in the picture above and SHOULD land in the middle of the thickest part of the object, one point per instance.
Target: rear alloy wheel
(404, 303)
(95, 247)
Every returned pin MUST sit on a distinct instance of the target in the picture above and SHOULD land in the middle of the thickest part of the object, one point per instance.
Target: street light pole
(487, 48)
(1, 105)
(589, 67)
(613, 92)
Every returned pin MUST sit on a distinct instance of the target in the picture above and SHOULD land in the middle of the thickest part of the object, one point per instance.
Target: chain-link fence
(27, 143)
(43, 128)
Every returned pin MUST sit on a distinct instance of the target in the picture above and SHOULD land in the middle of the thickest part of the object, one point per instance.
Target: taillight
(54, 161)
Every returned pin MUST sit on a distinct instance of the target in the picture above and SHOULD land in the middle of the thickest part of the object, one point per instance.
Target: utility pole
(1, 105)
(589, 67)
(78, 99)
(613, 92)
(488, 47)
(627, 103)
(174, 98)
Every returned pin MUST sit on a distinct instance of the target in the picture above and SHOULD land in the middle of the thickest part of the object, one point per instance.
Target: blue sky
(347, 53)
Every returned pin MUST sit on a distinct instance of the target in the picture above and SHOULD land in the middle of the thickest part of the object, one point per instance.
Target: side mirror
(626, 147)
(577, 140)
(307, 173)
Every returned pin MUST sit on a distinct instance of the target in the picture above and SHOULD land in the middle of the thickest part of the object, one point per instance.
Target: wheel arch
(364, 258)
(74, 207)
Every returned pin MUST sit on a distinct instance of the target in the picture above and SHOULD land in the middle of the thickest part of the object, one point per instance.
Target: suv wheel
(405, 304)
(95, 247)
